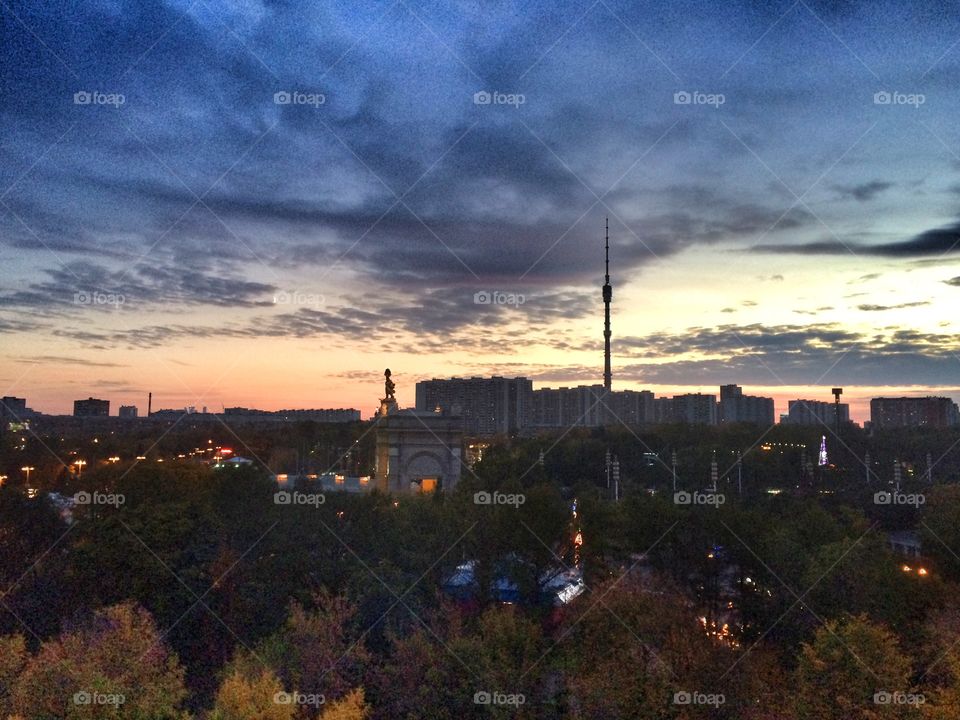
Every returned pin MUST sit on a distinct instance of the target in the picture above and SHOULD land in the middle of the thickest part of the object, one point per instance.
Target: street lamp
(80, 464)
(27, 469)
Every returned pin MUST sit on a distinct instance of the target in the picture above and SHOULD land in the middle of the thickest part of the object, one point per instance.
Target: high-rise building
(127, 411)
(91, 407)
(904, 412)
(13, 412)
(632, 407)
(486, 406)
(580, 406)
(13, 409)
(735, 407)
(692, 408)
(815, 412)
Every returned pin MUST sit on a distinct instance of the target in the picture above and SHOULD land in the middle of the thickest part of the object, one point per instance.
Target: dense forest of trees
(201, 597)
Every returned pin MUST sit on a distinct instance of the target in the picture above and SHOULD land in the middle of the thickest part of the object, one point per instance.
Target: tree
(848, 663)
(940, 528)
(13, 656)
(941, 664)
(116, 655)
(626, 652)
(351, 707)
(420, 678)
(257, 696)
(28, 528)
(316, 651)
(865, 577)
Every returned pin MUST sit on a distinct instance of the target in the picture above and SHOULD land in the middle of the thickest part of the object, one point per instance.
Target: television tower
(607, 297)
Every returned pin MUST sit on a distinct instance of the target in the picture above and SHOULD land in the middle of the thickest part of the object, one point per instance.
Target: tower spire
(607, 297)
(607, 249)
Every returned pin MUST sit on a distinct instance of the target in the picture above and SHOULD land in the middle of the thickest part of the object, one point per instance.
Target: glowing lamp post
(28, 469)
(80, 464)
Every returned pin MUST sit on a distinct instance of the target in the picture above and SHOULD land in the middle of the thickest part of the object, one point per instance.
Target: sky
(265, 204)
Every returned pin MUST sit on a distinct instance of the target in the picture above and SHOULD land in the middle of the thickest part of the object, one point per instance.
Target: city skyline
(589, 415)
(781, 185)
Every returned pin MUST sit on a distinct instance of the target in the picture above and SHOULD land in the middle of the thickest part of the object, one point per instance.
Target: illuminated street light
(80, 464)
(27, 469)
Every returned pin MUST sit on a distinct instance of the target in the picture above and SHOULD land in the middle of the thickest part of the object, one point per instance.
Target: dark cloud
(955, 282)
(82, 285)
(478, 319)
(65, 360)
(867, 307)
(938, 241)
(8, 325)
(863, 192)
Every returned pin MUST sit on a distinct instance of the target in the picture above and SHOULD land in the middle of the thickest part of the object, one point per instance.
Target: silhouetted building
(323, 415)
(14, 413)
(91, 407)
(127, 411)
(904, 412)
(250, 416)
(564, 407)
(815, 412)
(692, 408)
(13, 409)
(632, 407)
(583, 406)
(485, 406)
(735, 407)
